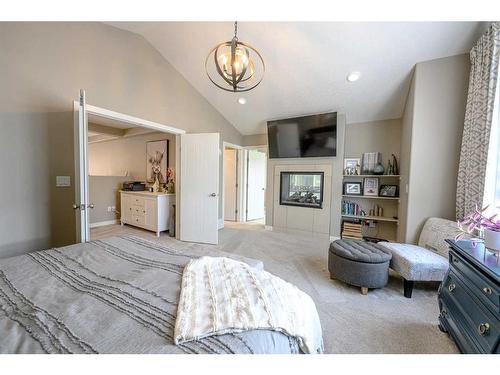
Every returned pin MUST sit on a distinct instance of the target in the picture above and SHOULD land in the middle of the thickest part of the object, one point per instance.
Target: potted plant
(487, 228)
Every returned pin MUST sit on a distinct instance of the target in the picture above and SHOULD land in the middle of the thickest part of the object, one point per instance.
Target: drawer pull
(451, 287)
(487, 290)
(483, 328)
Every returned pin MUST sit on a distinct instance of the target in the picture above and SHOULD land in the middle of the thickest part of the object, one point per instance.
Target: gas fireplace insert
(302, 189)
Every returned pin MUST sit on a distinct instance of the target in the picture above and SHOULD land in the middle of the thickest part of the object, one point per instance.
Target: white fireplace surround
(313, 220)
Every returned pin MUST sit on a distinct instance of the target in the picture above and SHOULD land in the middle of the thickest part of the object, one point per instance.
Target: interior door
(230, 183)
(199, 188)
(81, 167)
(256, 184)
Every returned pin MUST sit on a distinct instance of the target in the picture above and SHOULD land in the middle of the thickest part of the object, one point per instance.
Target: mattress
(116, 295)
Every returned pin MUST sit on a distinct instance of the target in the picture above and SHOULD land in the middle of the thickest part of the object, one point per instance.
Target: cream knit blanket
(221, 295)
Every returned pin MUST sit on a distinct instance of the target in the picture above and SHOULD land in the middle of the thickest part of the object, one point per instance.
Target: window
(492, 181)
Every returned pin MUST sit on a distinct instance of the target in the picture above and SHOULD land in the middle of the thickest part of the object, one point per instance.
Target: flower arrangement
(476, 222)
(170, 180)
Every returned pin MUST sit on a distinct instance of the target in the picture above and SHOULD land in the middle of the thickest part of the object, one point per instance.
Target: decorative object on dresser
(469, 298)
(429, 260)
(146, 210)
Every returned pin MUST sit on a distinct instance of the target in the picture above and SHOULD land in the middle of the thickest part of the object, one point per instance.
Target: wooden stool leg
(364, 291)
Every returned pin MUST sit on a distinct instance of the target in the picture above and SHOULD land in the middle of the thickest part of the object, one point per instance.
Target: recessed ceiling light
(353, 76)
(242, 100)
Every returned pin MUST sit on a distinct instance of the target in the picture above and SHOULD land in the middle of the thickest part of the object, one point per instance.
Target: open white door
(199, 188)
(81, 177)
(256, 184)
(230, 183)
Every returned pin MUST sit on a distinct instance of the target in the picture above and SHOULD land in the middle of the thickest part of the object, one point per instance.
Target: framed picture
(352, 166)
(370, 186)
(157, 161)
(352, 188)
(388, 191)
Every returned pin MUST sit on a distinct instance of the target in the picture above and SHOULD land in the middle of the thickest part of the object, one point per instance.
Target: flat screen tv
(303, 137)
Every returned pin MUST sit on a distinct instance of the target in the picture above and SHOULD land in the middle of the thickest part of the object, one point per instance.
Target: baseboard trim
(268, 227)
(220, 224)
(104, 223)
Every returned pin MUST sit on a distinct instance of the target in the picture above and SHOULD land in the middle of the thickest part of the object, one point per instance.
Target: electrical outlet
(109, 208)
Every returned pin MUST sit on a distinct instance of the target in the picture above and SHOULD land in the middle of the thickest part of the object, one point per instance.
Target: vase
(492, 240)
(379, 169)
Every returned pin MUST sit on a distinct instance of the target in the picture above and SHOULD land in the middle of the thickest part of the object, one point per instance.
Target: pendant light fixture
(235, 66)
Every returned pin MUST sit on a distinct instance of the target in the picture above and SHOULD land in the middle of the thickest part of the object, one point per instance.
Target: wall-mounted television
(303, 137)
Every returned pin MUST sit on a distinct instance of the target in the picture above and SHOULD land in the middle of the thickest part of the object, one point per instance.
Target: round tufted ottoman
(359, 263)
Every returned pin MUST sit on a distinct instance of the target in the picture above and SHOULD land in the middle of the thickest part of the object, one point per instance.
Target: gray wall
(254, 140)
(104, 192)
(433, 124)
(42, 68)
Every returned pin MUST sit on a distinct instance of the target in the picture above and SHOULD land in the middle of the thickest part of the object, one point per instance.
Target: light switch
(63, 181)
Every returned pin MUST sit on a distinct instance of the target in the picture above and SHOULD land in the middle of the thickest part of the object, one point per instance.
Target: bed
(115, 295)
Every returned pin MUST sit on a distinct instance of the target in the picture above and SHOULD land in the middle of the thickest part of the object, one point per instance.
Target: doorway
(196, 183)
(230, 184)
(256, 184)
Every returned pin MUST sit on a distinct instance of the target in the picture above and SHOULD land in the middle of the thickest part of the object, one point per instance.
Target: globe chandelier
(235, 66)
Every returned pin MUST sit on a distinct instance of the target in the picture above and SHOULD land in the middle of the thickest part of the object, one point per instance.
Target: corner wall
(42, 67)
(432, 132)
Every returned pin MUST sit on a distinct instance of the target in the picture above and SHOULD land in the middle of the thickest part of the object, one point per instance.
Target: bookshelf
(356, 210)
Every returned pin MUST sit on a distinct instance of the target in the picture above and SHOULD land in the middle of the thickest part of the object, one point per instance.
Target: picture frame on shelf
(370, 186)
(352, 166)
(353, 188)
(389, 191)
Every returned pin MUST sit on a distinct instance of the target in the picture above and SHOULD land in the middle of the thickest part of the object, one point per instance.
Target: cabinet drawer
(137, 220)
(479, 323)
(136, 200)
(481, 287)
(138, 210)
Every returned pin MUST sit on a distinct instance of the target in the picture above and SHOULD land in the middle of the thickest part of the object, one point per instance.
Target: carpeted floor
(381, 322)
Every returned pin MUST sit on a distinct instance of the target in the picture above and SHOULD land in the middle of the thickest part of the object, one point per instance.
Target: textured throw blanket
(221, 295)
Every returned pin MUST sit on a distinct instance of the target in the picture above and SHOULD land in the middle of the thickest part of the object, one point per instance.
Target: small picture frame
(352, 166)
(388, 191)
(370, 186)
(353, 188)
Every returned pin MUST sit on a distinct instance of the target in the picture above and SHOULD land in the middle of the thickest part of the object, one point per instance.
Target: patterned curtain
(484, 58)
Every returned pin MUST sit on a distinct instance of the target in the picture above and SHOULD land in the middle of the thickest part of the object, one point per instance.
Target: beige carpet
(381, 322)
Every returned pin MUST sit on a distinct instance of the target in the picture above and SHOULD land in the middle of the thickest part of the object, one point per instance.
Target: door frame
(137, 121)
(241, 171)
(266, 151)
(240, 194)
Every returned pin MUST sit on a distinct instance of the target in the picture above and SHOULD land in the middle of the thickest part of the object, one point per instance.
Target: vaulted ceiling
(307, 64)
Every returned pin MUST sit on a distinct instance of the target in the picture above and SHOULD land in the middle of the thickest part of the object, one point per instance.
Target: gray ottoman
(359, 263)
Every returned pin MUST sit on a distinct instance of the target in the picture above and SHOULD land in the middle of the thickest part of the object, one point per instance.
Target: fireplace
(301, 189)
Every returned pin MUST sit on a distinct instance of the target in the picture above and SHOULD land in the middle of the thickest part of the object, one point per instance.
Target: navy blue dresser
(469, 298)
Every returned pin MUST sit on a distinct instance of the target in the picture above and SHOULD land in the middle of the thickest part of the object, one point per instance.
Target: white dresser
(146, 210)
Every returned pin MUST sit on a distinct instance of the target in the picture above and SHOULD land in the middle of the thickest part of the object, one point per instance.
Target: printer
(134, 186)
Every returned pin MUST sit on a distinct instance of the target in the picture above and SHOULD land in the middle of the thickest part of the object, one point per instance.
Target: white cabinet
(146, 210)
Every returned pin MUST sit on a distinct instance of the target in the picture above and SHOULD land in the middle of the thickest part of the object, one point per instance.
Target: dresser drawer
(479, 323)
(137, 220)
(481, 287)
(138, 210)
(136, 200)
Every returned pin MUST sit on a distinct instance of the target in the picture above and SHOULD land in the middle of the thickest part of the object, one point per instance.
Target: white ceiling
(307, 64)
